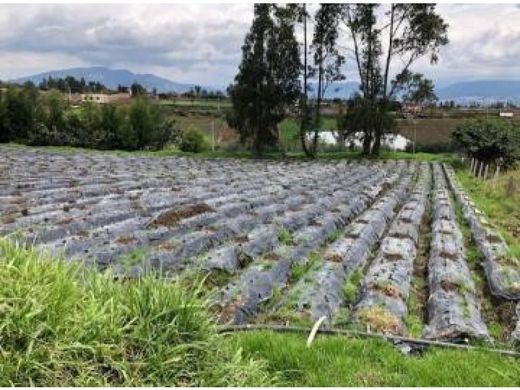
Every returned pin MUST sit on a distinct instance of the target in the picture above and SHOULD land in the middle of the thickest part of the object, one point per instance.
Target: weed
(351, 286)
(334, 235)
(380, 320)
(285, 237)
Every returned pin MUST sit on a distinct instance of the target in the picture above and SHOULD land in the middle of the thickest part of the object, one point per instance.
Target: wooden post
(481, 171)
(495, 177)
(471, 164)
(477, 166)
(486, 171)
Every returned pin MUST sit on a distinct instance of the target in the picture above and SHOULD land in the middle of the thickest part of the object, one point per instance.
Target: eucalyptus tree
(267, 85)
(327, 60)
(379, 36)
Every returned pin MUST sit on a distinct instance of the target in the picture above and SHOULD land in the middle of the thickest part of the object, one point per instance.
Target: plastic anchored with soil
(453, 311)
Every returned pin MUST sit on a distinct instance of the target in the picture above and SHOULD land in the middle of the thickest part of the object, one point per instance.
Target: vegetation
(27, 116)
(412, 31)
(192, 141)
(338, 361)
(267, 82)
(70, 84)
(490, 141)
(263, 94)
(498, 202)
(65, 325)
(327, 63)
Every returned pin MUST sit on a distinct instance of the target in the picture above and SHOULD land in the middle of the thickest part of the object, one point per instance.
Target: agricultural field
(393, 247)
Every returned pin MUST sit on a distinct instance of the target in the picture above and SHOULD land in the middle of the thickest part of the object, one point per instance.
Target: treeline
(71, 84)
(30, 117)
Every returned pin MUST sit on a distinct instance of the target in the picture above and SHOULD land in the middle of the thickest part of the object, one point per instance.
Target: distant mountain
(114, 77)
(481, 90)
(486, 91)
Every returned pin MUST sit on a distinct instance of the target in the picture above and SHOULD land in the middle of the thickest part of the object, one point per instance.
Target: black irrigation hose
(335, 331)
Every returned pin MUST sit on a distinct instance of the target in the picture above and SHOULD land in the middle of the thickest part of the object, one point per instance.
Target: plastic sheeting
(323, 296)
(501, 268)
(258, 283)
(453, 310)
(515, 336)
(386, 287)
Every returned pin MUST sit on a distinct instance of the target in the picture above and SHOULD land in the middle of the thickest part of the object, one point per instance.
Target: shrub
(66, 325)
(490, 140)
(192, 141)
(45, 119)
(432, 147)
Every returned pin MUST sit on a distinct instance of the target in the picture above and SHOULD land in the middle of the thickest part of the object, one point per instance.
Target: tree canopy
(267, 83)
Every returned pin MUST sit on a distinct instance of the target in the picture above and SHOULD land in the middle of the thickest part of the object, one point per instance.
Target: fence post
(471, 164)
(495, 177)
(481, 172)
(486, 171)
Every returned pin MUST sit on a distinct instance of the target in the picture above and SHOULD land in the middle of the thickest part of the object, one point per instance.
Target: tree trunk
(367, 141)
(377, 143)
(304, 113)
(317, 119)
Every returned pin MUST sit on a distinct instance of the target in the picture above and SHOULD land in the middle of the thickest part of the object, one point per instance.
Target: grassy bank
(64, 325)
(337, 361)
(500, 202)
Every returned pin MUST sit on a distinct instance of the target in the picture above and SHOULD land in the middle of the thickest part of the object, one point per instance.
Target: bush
(45, 119)
(490, 140)
(66, 325)
(432, 147)
(192, 141)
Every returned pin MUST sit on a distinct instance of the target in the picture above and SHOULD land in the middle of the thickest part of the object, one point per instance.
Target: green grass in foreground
(337, 361)
(64, 325)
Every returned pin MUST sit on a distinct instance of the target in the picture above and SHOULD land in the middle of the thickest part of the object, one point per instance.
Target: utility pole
(213, 135)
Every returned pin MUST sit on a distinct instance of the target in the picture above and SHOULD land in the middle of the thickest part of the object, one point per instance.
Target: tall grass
(62, 324)
(501, 207)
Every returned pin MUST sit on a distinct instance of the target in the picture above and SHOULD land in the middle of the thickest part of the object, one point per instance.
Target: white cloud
(202, 42)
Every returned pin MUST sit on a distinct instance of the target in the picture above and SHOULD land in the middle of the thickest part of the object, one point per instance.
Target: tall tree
(327, 60)
(409, 32)
(267, 83)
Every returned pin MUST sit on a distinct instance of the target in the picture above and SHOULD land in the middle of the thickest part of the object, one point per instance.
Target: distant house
(411, 108)
(506, 114)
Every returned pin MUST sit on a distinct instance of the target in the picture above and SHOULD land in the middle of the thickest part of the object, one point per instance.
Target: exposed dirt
(172, 217)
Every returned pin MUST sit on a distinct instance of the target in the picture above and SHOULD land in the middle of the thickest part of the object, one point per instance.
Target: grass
(429, 130)
(500, 326)
(351, 286)
(500, 208)
(62, 324)
(338, 361)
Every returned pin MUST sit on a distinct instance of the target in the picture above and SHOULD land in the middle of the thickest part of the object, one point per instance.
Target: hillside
(112, 78)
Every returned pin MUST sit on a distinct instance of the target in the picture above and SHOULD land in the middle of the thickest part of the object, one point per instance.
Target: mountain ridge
(461, 92)
(114, 77)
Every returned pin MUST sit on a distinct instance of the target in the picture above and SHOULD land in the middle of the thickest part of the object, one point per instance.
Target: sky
(201, 43)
